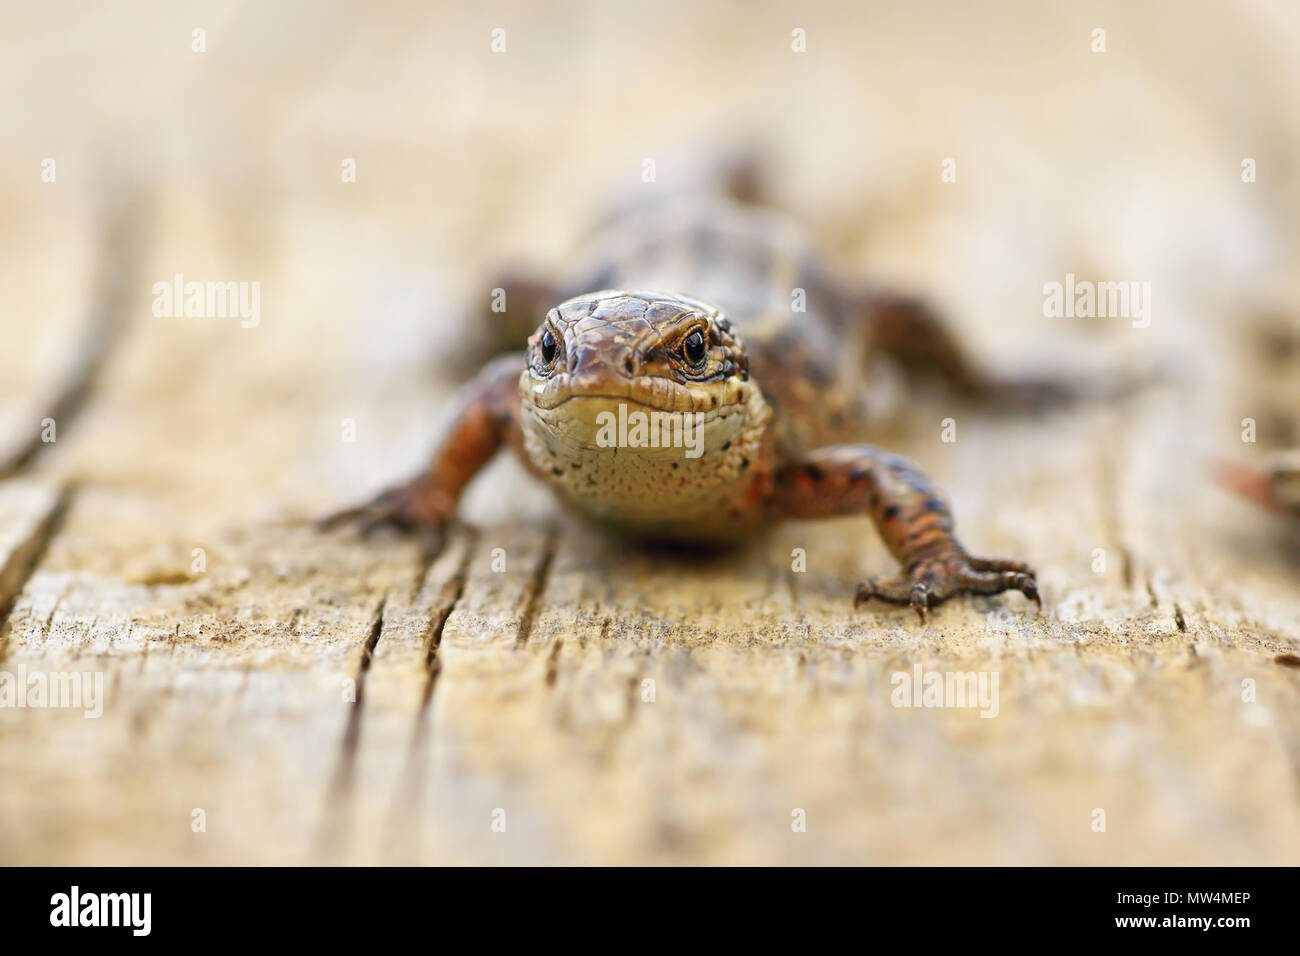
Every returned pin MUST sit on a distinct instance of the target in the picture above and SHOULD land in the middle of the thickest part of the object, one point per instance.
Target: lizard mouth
(650, 392)
(592, 428)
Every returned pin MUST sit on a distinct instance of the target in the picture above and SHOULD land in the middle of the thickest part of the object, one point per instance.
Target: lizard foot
(931, 582)
(411, 507)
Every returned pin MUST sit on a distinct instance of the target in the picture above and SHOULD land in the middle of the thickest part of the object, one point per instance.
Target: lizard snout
(603, 361)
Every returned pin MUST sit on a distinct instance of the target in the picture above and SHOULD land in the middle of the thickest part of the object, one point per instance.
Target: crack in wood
(533, 596)
(632, 700)
(26, 558)
(104, 328)
(339, 794)
(403, 819)
(353, 732)
(448, 598)
(553, 663)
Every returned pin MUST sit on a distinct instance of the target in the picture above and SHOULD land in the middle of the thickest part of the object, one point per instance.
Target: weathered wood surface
(326, 699)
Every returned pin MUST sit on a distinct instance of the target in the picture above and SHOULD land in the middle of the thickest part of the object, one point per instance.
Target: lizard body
(775, 400)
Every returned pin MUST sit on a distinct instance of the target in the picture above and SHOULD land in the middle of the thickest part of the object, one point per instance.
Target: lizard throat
(662, 467)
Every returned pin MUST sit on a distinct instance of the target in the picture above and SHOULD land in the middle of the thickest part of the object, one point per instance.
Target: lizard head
(665, 352)
(630, 396)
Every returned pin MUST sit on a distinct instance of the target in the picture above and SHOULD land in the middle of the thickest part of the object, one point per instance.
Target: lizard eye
(694, 349)
(548, 348)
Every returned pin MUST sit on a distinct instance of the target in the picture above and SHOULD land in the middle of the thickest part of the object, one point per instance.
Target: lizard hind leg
(910, 332)
(485, 421)
(912, 518)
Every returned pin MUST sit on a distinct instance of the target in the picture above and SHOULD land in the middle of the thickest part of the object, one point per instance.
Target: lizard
(685, 309)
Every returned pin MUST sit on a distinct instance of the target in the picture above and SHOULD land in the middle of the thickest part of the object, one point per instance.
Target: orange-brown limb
(913, 520)
(487, 419)
(1250, 483)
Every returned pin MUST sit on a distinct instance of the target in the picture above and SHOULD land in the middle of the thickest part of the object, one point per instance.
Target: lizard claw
(918, 595)
(865, 592)
(1030, 590)
(920, 599)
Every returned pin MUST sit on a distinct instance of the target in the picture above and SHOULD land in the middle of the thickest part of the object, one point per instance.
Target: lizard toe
(920, 599)
(1000, 564)
(977, 581)
(407, 508)
(896, 590)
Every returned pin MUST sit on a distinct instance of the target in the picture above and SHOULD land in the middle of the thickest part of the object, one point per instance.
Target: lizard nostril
(629, 366)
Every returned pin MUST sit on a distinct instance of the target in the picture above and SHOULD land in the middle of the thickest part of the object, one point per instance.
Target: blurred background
(1122, 165)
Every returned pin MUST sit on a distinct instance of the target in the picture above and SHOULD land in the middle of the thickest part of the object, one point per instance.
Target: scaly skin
(779, 410)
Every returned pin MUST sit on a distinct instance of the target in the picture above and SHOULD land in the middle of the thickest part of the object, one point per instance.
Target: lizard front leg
(487, 419)
(911, 516)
